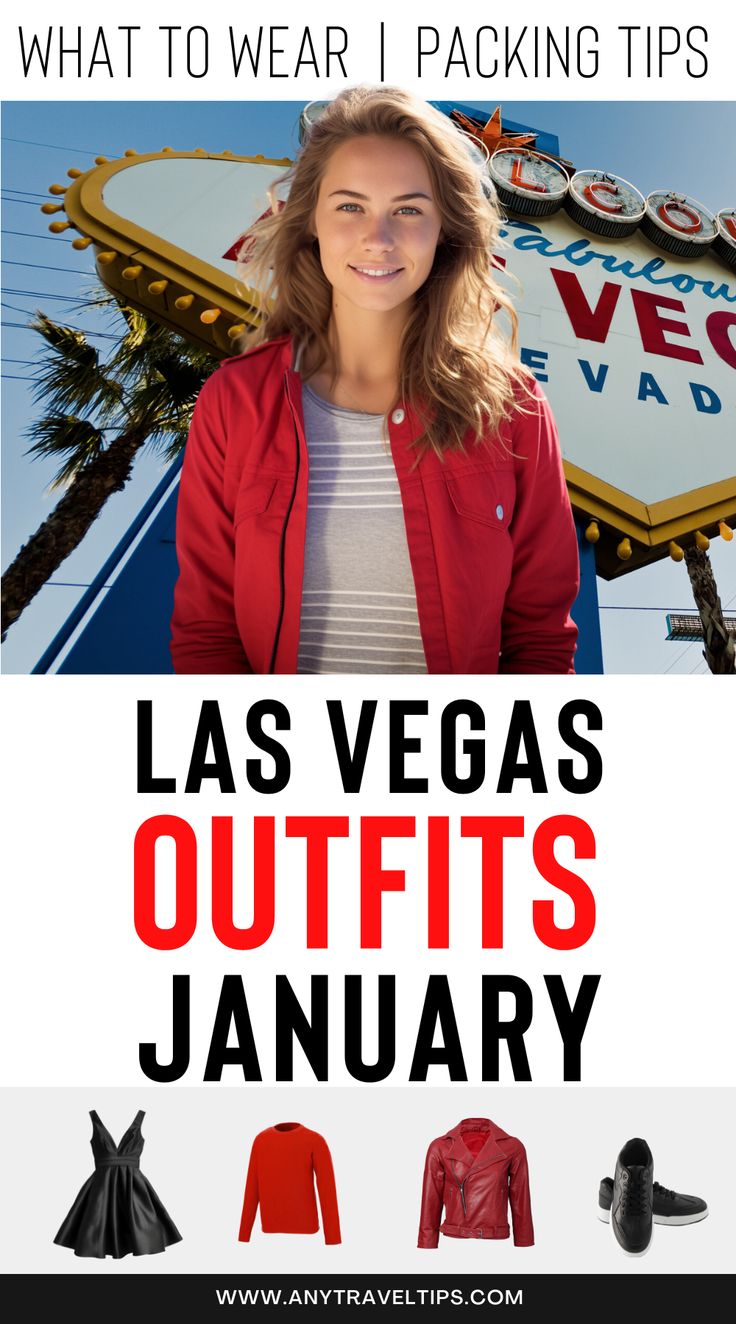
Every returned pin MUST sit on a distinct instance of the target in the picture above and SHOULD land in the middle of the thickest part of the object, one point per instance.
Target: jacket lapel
(492, 1150)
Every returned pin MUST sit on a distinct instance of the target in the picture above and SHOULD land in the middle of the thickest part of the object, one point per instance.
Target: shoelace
(662, 1190)
(633, 1196)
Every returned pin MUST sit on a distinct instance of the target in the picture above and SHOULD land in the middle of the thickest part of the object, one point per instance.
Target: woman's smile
(376, 273)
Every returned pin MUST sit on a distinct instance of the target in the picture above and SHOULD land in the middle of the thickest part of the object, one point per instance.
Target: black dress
(117, 1211)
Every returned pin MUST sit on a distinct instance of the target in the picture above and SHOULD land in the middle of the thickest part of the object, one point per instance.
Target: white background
(86, 991)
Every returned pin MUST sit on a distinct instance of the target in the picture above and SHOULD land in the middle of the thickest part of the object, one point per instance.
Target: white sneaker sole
(681, 1220)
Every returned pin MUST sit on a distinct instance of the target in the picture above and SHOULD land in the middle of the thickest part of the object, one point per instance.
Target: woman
(376, 486)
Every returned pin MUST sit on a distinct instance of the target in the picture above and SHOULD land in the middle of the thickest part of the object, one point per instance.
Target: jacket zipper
(282, 548)
(461, 1184)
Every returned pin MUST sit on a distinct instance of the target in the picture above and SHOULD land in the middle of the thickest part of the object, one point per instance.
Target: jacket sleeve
(433, 1197)
(250, 1199)
(520, 1199)
(537, 633)
(325, 1174)
(204, 632)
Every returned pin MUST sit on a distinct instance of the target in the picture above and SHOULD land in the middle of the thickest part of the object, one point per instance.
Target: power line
(24, 326)
(56, 147)
(21, 202)
(41, 266)
(683, 610)
(28, 191)
(27, 234)
(16, 309)
(43, 294)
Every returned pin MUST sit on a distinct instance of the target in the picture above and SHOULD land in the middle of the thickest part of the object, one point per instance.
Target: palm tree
(719, 651)
(99, 414)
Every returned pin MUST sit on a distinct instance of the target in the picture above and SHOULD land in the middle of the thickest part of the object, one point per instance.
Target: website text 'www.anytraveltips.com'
(371, 1296)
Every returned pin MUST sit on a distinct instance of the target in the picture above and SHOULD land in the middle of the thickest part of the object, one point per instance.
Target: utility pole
(720, 648)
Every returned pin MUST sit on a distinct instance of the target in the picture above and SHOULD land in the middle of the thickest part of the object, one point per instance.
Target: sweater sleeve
(250, 1199)
(537, 633)
(520, 1200)
(204, 632)
(324, 1172)
(433, 1196)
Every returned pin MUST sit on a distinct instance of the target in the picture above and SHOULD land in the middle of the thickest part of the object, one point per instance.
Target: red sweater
(284, 1161)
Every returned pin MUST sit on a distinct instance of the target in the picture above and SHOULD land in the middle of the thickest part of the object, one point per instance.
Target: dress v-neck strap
(135, 1123)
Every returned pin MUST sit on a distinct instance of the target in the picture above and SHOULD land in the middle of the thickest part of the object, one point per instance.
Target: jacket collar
(493, 1148)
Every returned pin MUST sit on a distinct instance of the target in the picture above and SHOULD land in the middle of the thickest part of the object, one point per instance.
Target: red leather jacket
(491, 537)
(475, 1171)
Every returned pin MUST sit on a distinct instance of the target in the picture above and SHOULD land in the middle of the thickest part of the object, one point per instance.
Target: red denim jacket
(490, 533)
(476, 1170)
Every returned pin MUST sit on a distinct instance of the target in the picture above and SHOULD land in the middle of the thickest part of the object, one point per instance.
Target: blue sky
(676, 145)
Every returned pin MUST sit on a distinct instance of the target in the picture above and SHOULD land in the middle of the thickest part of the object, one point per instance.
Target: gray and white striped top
(359, 611)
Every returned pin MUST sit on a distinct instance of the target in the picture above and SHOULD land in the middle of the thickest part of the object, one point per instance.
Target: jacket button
(499, 512)
(398, 416)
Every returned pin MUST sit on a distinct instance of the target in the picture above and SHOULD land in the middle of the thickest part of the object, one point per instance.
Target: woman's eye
(401, 211)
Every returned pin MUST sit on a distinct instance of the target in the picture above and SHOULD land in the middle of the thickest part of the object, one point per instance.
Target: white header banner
(187, 51)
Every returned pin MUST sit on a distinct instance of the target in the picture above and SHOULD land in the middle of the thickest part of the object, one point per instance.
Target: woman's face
(377, 222)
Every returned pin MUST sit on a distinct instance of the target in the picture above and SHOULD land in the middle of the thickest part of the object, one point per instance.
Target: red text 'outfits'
(284, 1162)
(476, 1170)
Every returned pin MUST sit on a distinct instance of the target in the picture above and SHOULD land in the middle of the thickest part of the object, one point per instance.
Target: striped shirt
(359, 610)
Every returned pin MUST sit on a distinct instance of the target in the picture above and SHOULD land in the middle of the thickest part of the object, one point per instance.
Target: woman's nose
(379, 234)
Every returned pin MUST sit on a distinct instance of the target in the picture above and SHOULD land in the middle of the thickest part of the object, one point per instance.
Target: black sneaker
(670, 1208)
(631, 1206)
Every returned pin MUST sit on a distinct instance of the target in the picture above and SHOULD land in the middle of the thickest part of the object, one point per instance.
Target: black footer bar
(137, 1298)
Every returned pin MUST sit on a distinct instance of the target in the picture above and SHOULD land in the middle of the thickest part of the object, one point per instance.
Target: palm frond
(71, 377)
(150, 380)
(65, 341)
(68, 435)
(97, 296)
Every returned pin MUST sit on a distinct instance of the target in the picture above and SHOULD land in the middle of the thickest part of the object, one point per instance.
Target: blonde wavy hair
(457, 367)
